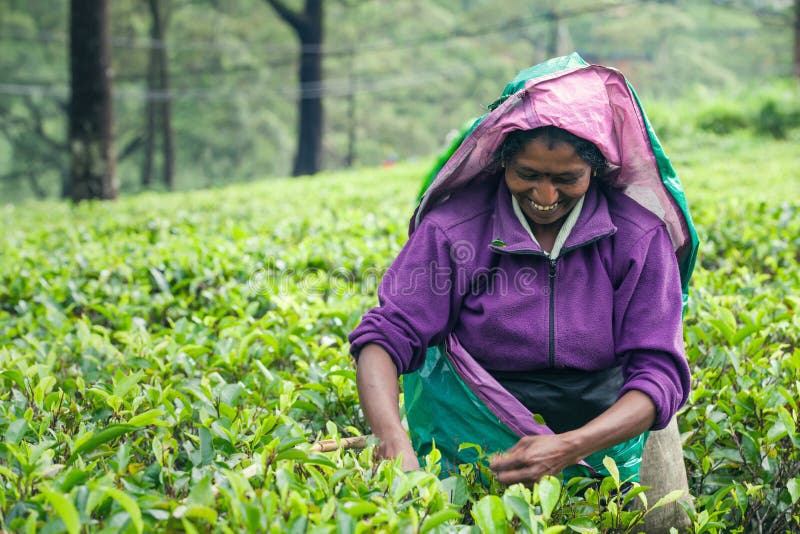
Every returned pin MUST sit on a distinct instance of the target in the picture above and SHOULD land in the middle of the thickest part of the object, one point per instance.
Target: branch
(38, 125)
(295, 20)
(130, 148)
(38, 191)
(13, 175)
(13, 121)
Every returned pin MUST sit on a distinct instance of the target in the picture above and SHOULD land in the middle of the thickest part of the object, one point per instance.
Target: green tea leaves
(91, 440)
(167, 362)
(64, 508)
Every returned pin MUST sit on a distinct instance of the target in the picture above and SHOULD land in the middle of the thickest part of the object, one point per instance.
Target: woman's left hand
(534, 457)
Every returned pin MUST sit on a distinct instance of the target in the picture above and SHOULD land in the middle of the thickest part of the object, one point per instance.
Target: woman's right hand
(376, 377)
(398, 445)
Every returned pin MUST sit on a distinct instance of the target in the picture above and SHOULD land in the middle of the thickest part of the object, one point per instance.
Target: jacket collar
(508, 234)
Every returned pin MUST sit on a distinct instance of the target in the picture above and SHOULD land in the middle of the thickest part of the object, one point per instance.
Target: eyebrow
(561, 174)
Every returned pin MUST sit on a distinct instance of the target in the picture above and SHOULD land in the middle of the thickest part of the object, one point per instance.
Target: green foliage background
(420, 69)
(159, 347)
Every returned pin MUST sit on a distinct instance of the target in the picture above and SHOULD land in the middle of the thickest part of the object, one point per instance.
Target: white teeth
(539, 207)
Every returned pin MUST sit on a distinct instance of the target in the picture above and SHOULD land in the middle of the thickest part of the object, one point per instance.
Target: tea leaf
(16, 431)
(549, 494)
(64, 508)
(206, 446)
(93, 440)
(150, 417)
(611, 466)
(489, 515)
(793, 485)
(670, 497)
(521, 509)
(128, 503)
(583, 525)
(456, 489)
(439, 518)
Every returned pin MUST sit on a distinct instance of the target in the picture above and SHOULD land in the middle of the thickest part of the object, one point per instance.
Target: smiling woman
(563, 258)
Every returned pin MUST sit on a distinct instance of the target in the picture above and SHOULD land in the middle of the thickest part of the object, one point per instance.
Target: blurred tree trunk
(308, 27)
(150, 113)
(159, 16)
(554, 33)
(797, 38)
(352, 123)
(159, 103)
(90, 132)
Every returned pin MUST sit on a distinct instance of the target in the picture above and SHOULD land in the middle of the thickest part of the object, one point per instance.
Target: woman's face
(547, 180)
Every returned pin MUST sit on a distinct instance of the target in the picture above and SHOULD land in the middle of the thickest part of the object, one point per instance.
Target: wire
(149, 43)
(336, 88)
(333, 88)
(18, 89)
(382, 46)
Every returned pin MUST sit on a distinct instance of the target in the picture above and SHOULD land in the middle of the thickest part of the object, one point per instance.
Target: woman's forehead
(544, 156)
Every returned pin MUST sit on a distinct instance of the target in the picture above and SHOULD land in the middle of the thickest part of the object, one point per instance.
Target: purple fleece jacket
(611, 298)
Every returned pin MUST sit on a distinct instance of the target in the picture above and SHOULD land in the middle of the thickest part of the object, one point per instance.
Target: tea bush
(771, 109)
(723, 118)
(776, 119)
(166, 361)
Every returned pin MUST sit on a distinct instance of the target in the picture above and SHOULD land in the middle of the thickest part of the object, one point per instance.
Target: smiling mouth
(539, 207)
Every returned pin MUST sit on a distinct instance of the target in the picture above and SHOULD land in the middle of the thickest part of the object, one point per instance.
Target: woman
(531, 278)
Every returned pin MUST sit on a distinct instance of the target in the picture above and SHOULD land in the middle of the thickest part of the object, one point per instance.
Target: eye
(568, 181)
(528, 175)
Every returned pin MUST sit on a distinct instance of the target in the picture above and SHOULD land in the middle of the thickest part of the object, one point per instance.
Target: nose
(546, 193)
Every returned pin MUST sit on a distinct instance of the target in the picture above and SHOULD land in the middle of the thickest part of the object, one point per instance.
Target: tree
(90, 131)
(308, 25)
(159, 109)
(797, 38)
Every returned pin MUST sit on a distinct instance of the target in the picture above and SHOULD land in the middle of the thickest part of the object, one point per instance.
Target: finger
(525, 475)
(508, 461)
(528, 473)
(410, 461)
(499, 461)
(383, 453)
(526, 443)
(411, 466)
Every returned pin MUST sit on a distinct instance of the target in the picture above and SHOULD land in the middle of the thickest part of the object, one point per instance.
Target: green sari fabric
(441, 408)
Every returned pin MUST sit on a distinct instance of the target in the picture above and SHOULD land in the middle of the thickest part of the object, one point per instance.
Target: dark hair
(515, 142)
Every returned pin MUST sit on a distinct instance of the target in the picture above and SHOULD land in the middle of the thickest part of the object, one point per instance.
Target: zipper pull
(553, 268)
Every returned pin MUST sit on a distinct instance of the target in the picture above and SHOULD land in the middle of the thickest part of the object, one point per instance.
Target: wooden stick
(328, 445)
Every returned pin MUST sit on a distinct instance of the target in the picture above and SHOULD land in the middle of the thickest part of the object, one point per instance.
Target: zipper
(552, 343)
(552, 285)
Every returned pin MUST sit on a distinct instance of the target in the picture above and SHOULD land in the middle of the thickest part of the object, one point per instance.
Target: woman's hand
(534, 457)
(398, 445)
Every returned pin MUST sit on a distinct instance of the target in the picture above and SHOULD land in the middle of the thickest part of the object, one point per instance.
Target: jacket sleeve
(648, 326)
(419, 298)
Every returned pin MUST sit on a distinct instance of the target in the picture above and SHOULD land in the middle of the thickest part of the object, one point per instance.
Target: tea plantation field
(166, 361)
